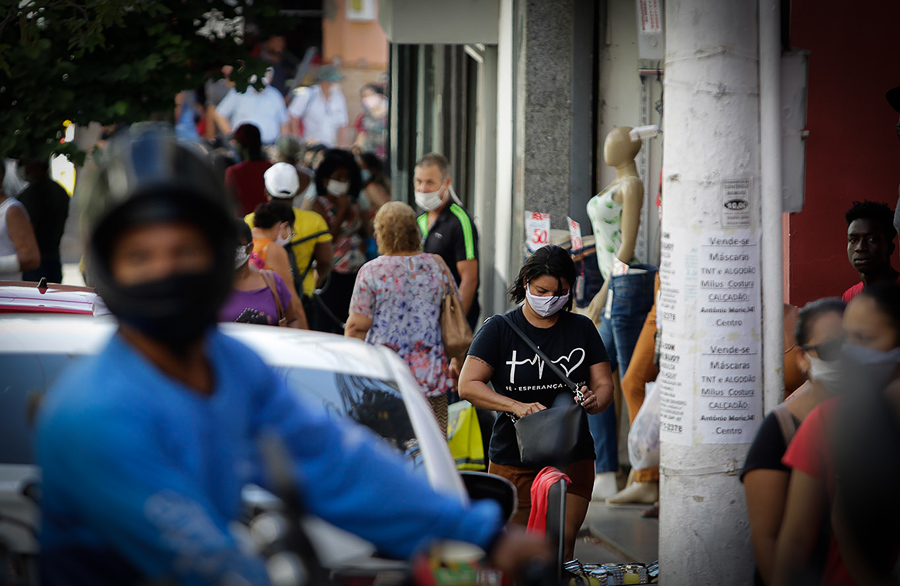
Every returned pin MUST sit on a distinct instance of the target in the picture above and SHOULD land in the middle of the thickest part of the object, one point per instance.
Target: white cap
(282, 181)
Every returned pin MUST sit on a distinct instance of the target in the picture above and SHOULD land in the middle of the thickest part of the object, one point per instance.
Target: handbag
(455, 331)
(270, 282)
(548, 437)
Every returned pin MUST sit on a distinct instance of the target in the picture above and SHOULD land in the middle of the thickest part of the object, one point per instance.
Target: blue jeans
(632, 300)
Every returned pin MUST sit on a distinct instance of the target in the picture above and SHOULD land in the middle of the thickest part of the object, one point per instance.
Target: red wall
(852, 151)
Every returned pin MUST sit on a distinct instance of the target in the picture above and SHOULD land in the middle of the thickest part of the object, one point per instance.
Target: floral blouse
(402, 296)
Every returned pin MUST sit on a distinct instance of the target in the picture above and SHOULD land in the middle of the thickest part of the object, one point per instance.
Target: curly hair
(548, 261)
(878, 212)
(396, 229)
(267, 215)
(339, 159)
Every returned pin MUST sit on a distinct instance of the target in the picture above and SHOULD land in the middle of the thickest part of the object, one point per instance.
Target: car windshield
(375, 403)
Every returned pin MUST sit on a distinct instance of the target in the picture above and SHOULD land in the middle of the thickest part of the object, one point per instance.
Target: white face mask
(337, 187)
(545, 306)
(241, 256)
(371, 102)
(429, 201)
(829, 373)
(283, 240)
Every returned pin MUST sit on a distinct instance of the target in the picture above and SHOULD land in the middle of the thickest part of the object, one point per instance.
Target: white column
(711, 362)
(771, 184)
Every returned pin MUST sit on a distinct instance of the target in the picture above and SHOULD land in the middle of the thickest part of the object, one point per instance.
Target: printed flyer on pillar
(709, 313)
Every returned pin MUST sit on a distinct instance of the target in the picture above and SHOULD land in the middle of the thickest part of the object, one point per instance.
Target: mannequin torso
(615, 212)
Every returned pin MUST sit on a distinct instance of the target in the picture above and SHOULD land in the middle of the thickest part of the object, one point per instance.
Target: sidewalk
(618, 531)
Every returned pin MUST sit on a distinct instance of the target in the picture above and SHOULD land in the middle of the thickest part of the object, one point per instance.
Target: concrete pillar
(544, 89)
(709, 312)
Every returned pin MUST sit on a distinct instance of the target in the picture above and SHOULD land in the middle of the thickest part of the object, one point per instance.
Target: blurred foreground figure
(844, 456)
(145, 447)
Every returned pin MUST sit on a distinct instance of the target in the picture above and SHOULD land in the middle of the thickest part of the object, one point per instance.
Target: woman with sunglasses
(819, 335)
(846, 443)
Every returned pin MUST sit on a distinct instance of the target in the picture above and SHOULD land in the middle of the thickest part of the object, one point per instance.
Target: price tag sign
(537, 230)
(575, 235)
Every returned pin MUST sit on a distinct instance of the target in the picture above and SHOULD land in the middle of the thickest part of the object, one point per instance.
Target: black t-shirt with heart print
(573, 343)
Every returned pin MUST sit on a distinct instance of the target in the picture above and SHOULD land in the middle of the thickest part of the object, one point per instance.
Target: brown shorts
(580, 473)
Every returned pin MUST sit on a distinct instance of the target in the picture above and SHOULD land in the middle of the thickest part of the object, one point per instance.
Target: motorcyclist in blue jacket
(145, 447)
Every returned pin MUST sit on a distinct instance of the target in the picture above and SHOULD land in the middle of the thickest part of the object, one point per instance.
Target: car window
(372, 402)
(375, 403)
(25, 377)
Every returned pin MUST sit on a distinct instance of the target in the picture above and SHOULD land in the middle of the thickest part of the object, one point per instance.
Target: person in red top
(870, 245)
(871, 356)
(245, 180)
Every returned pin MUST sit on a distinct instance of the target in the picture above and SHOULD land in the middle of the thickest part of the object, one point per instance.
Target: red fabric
(856, 290)
(810, 453)
(852, 292)
(246, 183)
(540, 488)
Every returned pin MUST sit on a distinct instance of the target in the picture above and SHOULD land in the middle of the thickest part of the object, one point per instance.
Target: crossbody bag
(548, 437)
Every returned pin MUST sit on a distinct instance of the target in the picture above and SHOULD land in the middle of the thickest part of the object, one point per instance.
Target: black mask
(175, 311)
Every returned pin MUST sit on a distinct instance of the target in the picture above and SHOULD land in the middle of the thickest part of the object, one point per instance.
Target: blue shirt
(141, 470)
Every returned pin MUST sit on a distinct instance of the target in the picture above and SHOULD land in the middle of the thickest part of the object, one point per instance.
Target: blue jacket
(141, 475)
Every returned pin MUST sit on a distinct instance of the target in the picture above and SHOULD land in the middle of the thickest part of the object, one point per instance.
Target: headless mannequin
(616, 215)
(619, 152)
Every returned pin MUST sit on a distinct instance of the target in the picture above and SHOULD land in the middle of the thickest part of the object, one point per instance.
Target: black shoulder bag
(548, 437)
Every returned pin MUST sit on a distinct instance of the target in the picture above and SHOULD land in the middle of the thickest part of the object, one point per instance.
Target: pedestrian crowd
(319, 244)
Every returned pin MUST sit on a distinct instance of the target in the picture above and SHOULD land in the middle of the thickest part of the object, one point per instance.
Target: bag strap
(270, 282)
(556, 369)
(293, 258)
(786, 423)
(308, 237)
(448, 288)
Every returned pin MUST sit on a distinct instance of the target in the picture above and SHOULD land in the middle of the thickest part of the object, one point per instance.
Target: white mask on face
(241, 256)
(431, 200)
(283, 240)
(829, 373)
(371, 102)
(545, 306)
(337, 187)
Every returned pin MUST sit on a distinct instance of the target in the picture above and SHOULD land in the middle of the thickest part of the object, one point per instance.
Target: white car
(350, 378)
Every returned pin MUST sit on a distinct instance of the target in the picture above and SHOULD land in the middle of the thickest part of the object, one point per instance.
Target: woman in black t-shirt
(523, 385)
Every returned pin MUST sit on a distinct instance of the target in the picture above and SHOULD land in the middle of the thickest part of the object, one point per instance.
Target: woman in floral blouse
(397, 303)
